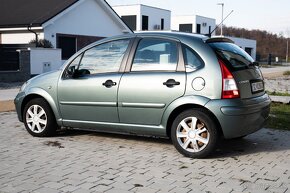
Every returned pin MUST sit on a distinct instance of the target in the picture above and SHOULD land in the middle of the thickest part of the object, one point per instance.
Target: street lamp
(222, 4)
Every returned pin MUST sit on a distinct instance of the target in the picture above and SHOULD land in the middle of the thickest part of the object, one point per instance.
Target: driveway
(93, 162)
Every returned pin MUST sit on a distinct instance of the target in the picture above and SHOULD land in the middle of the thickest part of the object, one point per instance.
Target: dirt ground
(7, 106)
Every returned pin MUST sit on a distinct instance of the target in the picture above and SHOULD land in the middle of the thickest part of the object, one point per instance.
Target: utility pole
(222, 4)
(287, 48)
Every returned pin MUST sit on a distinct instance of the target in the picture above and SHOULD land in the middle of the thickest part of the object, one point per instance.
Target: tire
(39, 119)
(198, 142)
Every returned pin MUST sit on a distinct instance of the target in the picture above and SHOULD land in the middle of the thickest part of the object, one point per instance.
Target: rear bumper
(239, 117)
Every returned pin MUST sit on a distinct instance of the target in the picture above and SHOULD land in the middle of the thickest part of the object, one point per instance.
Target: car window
(234, 56)
(191, 58)
(155, 55)
(104, 58)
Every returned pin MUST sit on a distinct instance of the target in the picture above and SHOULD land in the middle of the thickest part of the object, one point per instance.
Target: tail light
(230, 89)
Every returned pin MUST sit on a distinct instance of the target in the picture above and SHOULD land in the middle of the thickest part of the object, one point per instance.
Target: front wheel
(39, 119)
(194, 134)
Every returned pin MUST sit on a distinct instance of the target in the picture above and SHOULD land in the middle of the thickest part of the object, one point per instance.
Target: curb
(280, 99)
(7, 106)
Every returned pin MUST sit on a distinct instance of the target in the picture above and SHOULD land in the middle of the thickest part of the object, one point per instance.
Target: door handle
(171, 83)
(109, 83)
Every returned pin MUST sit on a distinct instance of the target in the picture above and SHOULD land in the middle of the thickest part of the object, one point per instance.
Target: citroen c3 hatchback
(190, 88)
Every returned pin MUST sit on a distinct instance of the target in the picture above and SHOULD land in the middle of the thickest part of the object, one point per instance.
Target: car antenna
(209, 35)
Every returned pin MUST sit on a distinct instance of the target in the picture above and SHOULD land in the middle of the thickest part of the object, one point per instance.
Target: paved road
(8, 94)
(93, 162)
(275, 71)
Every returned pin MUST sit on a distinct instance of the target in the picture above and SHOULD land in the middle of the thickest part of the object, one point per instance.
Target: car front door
(154, 79)
(87, 91)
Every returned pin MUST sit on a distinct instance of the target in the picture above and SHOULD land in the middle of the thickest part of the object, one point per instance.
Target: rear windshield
(232, 54)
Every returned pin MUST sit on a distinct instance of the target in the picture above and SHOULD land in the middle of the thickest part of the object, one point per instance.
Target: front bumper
(240, 117)
(18, 104)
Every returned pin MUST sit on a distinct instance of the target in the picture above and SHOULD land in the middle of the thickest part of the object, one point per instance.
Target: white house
(193, 24)
(69, 25)
(142, 17)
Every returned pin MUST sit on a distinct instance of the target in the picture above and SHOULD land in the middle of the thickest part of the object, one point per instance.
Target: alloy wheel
(36, 118)
(192, 134)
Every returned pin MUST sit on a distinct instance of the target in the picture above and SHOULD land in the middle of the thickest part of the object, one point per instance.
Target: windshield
(232, 54)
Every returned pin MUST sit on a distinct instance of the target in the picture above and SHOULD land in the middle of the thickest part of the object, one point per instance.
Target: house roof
(34, 13)
(15, 13)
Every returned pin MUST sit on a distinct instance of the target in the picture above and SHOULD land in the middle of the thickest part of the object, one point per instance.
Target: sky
(269, 15)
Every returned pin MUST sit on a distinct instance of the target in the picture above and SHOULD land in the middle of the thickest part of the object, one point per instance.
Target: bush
(286, 73)
(43, 43)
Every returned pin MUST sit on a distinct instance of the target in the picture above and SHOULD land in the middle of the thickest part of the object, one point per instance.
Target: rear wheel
(39, 119)
(194, 134)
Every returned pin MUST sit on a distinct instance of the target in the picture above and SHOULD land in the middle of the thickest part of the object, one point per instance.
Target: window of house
(145, 22)
(68, 46)
(155, 55)
(198, 28)
(162, 24)
(130, 20)
(185, 28)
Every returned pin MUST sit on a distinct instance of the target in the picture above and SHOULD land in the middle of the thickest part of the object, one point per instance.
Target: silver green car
(190, 88)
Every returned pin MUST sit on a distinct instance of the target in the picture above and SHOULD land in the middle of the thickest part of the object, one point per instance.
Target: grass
(286, 73)
(279, 117)
(277, 93)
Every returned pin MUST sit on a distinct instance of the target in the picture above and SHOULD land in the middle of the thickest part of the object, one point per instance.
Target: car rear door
(153, 79)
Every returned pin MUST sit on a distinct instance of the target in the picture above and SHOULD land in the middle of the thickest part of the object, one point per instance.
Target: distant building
(204, 25)
(193, 24)
(144, 18)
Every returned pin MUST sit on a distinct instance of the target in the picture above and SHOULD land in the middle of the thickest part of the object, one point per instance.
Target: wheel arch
(40, 93)
(196, 102)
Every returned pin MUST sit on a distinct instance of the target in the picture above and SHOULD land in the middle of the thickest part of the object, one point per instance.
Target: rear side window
(192, 60)
(155, 55)
(232, 54)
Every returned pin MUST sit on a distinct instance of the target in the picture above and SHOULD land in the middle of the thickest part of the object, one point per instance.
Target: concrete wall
(23, 74)
(186, 19)
(44, 60)
(85, 18)
(205, 22)
(155, 15)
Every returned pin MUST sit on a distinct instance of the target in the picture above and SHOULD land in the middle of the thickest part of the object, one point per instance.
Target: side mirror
(71, 71)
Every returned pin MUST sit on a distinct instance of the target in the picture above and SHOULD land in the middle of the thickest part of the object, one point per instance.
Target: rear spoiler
(219, 39)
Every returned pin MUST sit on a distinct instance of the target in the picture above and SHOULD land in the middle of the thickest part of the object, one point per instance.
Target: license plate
(257, 86)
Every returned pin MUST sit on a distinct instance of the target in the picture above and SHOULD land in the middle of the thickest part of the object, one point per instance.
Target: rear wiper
(254, 64)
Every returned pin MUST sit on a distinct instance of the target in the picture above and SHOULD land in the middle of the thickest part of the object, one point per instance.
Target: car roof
(184, 35)
(172, 34)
